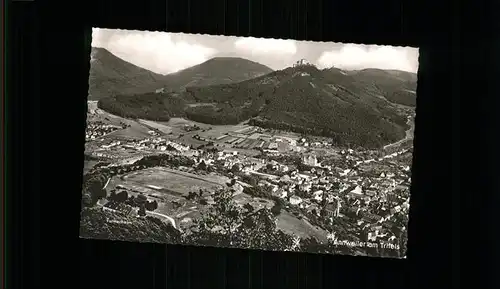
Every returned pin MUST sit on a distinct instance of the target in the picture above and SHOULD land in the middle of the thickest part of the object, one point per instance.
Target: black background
(48, 48)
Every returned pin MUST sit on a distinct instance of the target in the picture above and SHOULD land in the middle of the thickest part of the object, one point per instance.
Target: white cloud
(353, 56)
(266, 46)
(165, 53)
(155, 51)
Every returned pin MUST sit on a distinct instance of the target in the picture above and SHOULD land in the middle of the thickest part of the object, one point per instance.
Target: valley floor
(324, 193)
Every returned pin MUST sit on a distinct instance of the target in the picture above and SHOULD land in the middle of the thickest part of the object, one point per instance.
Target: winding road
(408, 136)
(165, 217)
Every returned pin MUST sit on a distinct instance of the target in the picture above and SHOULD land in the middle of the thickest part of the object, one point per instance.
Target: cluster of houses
(371, 197)
(370, 191)
(151, 144)
(97, 130)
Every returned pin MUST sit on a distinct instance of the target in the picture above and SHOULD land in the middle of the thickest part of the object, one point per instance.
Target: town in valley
(182, 180)
(367, 191)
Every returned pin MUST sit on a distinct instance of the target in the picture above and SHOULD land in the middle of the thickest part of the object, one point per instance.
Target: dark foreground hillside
(97, 223)
(300, 99)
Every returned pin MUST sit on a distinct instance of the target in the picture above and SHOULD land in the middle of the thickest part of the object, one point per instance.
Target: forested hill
(111, 75)
(346, 107)
(218, 70)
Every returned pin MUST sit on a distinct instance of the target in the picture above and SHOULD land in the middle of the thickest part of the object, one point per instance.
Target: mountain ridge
(111, 75)
(217, 70)
(303, 99)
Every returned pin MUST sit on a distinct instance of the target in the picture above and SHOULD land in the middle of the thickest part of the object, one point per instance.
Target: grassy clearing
(170, 180)
(178, 122)
(156, 125)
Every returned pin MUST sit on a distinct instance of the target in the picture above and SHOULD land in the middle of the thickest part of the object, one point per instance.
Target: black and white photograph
(252, 143)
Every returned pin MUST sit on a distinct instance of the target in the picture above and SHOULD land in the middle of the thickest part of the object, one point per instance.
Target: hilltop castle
(301, 62)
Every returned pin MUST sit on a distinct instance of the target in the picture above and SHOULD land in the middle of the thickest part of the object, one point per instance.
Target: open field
(169, 188)
(135, 131)
(156, 125)
(174, 181)
(179, 123)
(189, 140)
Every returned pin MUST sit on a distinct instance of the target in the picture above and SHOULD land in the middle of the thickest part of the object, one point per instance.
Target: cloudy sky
(170, 52)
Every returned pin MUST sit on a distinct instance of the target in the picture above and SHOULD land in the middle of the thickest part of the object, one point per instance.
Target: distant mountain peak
(227, 58)
(111, 75)
(232, 61)
(217, 70)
